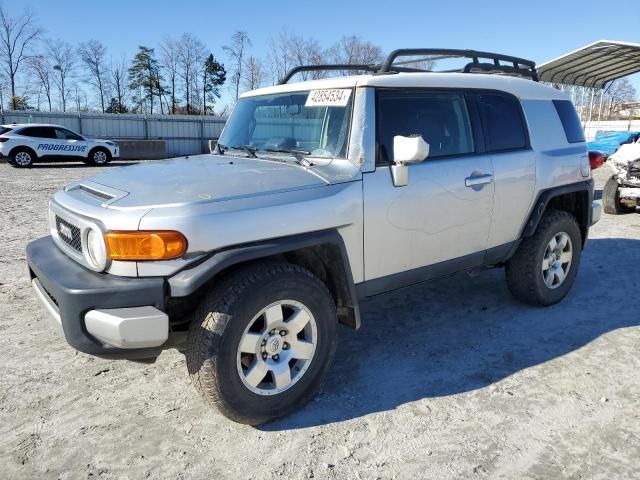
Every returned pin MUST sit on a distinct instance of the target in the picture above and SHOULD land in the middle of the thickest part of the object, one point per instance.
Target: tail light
(596, 159)
(3, 139)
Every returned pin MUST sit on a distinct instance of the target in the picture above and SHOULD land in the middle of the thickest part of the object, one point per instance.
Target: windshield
(314, 123)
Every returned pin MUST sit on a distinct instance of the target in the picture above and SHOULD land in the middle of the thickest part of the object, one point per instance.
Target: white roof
(20, 125)
(520, 87)
(593, 65)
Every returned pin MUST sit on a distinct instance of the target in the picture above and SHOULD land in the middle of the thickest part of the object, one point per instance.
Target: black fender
(545, 197)
(326, 245)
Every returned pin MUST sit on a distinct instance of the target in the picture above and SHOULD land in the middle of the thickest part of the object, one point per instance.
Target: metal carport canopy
(594, 65)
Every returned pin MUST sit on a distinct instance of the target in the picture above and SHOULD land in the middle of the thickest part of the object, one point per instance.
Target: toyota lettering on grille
(65, 231)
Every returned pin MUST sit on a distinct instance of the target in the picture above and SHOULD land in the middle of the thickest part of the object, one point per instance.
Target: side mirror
(406, 150)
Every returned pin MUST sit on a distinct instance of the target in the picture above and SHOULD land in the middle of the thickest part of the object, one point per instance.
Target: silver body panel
(436, 217)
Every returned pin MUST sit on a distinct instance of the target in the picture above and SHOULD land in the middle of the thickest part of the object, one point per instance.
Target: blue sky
(539, 30)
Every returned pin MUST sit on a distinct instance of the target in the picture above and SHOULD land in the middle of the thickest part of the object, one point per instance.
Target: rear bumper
(596, 212)
(98, 313)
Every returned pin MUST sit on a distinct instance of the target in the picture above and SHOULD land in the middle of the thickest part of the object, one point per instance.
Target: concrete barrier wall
(142, 149)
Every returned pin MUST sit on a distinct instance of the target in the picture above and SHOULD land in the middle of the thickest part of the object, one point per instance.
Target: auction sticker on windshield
(334, 97)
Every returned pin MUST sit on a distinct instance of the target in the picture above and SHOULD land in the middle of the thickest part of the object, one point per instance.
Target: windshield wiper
(298, 154)
(246, 148)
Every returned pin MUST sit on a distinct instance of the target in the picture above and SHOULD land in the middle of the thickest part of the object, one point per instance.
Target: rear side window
(570, 121)
(504, 127)
(39, 132)
(4, 130)
(441, 118)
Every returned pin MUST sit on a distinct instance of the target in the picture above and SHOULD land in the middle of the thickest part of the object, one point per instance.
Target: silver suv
(318, 195)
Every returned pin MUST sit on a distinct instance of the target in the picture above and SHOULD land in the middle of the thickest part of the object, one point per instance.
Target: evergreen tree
(213, 77)
(144, 76)
(115, 106)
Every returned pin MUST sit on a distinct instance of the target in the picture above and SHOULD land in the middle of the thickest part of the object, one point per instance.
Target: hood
(202, 178)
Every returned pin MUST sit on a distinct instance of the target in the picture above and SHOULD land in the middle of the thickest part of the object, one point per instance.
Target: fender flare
(545, 197)
(194, 276)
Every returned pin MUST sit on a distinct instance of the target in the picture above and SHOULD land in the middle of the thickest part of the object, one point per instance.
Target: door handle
(476, 180)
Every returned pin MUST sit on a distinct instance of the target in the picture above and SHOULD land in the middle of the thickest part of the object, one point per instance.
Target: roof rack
(517, 66)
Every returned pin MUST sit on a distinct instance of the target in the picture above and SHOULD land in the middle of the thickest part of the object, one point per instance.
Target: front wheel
(260, 345)
(544, 267)
(99, 157)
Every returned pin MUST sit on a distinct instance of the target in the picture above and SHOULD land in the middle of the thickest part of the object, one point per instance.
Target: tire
(22, 158)
(233, 312)
(98, 157)
(611, 199)
(527, 278)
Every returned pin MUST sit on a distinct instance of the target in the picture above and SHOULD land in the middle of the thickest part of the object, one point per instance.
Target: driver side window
(441, 118)
(63, 134)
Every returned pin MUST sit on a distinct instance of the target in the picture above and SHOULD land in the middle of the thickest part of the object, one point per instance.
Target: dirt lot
(449, 380)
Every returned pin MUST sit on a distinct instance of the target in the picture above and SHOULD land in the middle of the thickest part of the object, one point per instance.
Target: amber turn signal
(141, 245)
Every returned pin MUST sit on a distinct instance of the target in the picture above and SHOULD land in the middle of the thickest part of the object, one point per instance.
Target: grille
(69, 234)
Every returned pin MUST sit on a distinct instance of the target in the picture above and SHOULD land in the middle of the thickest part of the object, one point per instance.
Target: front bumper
(98, 313)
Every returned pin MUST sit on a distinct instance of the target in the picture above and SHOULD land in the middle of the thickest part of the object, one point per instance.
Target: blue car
(607, 142)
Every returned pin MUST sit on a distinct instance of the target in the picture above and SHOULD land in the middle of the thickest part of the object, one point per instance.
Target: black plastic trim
(191, 279)
(545, 196)
(399, 280)
(76, 290)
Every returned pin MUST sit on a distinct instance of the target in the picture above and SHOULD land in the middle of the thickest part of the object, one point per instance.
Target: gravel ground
(452, 379)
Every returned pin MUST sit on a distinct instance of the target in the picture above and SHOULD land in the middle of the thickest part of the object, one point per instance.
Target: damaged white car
(622, 191)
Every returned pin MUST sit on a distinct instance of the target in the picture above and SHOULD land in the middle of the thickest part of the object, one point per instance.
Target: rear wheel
(544, 267)
(22, 158)
(260, 345)
(611, 199)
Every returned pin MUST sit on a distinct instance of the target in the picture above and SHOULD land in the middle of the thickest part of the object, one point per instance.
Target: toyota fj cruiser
(318, 195)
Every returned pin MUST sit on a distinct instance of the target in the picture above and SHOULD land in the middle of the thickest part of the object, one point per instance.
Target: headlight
(96, 249)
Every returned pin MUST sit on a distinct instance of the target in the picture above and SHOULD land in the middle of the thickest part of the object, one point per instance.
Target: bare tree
(191, 55)
(63, 59)
(306, 52)
(353, 50)
(92, 54)
(240, 43)
(617, 94)
(17, 34)
(119, 84)
(42, 70)
(169, 57)
(253, 74)
(280, 56)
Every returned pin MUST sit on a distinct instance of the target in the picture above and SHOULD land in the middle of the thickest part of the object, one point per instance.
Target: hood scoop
(95, 193)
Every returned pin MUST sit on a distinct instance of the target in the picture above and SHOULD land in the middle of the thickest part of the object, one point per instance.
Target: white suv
(25, 143)
(320, 194)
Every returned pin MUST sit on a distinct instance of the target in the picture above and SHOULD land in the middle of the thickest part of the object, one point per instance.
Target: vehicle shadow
(65, 165)
(461, 334)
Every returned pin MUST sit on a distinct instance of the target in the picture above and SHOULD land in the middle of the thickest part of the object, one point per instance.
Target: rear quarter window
(570, 121)
(4, 130)
(503, 122)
